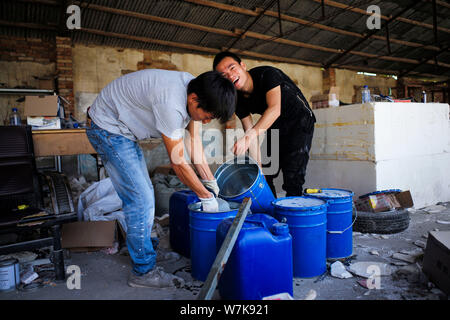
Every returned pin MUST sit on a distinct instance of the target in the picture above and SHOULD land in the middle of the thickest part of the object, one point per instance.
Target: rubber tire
(388, 222)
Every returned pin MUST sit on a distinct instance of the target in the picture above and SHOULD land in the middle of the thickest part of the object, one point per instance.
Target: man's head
(211, 96)
(232, 68)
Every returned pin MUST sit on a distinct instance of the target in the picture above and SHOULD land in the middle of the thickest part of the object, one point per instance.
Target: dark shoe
(157, 278)
(167, 256)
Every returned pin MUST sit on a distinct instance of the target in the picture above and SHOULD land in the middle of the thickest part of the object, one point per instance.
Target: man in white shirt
(155, 103)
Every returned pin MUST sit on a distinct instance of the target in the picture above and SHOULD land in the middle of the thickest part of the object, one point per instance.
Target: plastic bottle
(333, 102)
(424, 97)
(365, 94)
(14, 118)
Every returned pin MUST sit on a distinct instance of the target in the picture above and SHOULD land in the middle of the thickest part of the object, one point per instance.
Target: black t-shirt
(265, 78)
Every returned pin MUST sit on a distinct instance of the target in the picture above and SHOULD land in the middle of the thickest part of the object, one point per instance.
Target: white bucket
(9, 274)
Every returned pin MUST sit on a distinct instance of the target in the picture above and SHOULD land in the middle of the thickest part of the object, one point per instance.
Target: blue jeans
(124, 161)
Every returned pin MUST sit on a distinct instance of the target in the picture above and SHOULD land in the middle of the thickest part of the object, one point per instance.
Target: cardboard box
(38, 106)
(89, 235)
(381, 202)
(436, 260)
(47, 84)
(44, 123)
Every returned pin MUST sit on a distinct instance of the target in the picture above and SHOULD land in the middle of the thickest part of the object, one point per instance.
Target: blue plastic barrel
(179, 221)
(260, 264)
(339, 221)
(307, 221)
(203, 226)
(242, 178)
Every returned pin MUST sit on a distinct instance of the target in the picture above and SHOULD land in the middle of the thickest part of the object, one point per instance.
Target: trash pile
(27, 270)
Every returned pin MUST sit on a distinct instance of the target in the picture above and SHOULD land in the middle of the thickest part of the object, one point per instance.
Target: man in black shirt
(268, 91)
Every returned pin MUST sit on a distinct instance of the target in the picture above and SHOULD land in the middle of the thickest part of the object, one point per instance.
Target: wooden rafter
(359, 42)
(383, 17)
(305, 22)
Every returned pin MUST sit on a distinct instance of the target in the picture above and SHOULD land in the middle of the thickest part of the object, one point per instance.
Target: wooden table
(66, 142)
(61, 142)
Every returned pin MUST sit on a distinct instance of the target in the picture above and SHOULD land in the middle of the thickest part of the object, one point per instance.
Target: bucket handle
(356, 216)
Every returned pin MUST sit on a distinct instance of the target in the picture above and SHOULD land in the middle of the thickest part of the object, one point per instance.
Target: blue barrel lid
(379, 192)
(329, 193)
(299, 202)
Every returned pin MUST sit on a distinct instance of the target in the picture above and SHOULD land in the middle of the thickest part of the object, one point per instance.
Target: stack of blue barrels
(299, 234)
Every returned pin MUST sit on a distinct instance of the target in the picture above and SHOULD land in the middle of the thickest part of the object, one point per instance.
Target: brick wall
(20, 49)
(58, 51)
(64, 71)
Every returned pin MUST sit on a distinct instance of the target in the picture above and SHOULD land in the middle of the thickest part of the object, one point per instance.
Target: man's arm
(254, 150)
(175, 149)
(194, 147)
(273, 99)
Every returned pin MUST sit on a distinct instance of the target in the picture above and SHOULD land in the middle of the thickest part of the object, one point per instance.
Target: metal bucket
(202, 228)
(339, 221)
(242, 178)
(307, 221)
(9, 274)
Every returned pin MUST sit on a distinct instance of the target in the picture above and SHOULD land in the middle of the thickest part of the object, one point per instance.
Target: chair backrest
(19, 181)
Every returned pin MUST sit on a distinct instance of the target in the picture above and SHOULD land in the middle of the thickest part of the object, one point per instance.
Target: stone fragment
(338, 271)
(420, 244)
(404, 257)
(434, 209)
(366, 269)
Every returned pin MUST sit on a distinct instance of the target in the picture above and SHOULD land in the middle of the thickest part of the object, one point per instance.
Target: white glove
(210, 204)
(212, 185)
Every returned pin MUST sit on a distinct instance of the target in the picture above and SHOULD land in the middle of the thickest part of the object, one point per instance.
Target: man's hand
(212, 186)
(210, 204)
(242, 145)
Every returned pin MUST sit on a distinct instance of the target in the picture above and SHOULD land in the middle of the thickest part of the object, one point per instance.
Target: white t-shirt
(144, 104)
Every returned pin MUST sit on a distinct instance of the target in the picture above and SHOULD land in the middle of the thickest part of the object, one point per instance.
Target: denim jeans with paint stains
(124, 161)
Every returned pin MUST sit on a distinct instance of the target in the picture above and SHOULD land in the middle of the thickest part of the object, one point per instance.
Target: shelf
(26, 91)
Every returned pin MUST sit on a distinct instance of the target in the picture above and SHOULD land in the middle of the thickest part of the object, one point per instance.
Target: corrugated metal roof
(45, 19)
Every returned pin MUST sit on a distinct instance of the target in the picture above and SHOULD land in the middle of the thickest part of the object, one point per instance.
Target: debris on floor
(338, 271)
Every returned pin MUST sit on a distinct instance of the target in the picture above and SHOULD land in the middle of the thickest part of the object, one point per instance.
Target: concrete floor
(104, 276)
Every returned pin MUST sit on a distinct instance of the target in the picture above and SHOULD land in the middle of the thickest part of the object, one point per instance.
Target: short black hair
(220, 56)
(216, 94)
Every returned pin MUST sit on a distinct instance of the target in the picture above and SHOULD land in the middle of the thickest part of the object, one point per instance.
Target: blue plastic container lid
(280, 229)
(333, 194)
(299, 202)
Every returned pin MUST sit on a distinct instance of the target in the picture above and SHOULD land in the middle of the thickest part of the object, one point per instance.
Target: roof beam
(356, 44)
(203, 49)
(424, 60)
(197, 48)
(364, 12)
(241, 52)
(49, 27)
(307, 23)
(237, 33)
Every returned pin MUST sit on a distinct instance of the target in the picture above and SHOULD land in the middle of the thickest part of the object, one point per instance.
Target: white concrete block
(357, 176)
(344, 133)
(427, 177)
(410, 129)
(378, 146)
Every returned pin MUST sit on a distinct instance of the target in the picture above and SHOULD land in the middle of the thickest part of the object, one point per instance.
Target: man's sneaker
(167, 256)
(156, 278)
